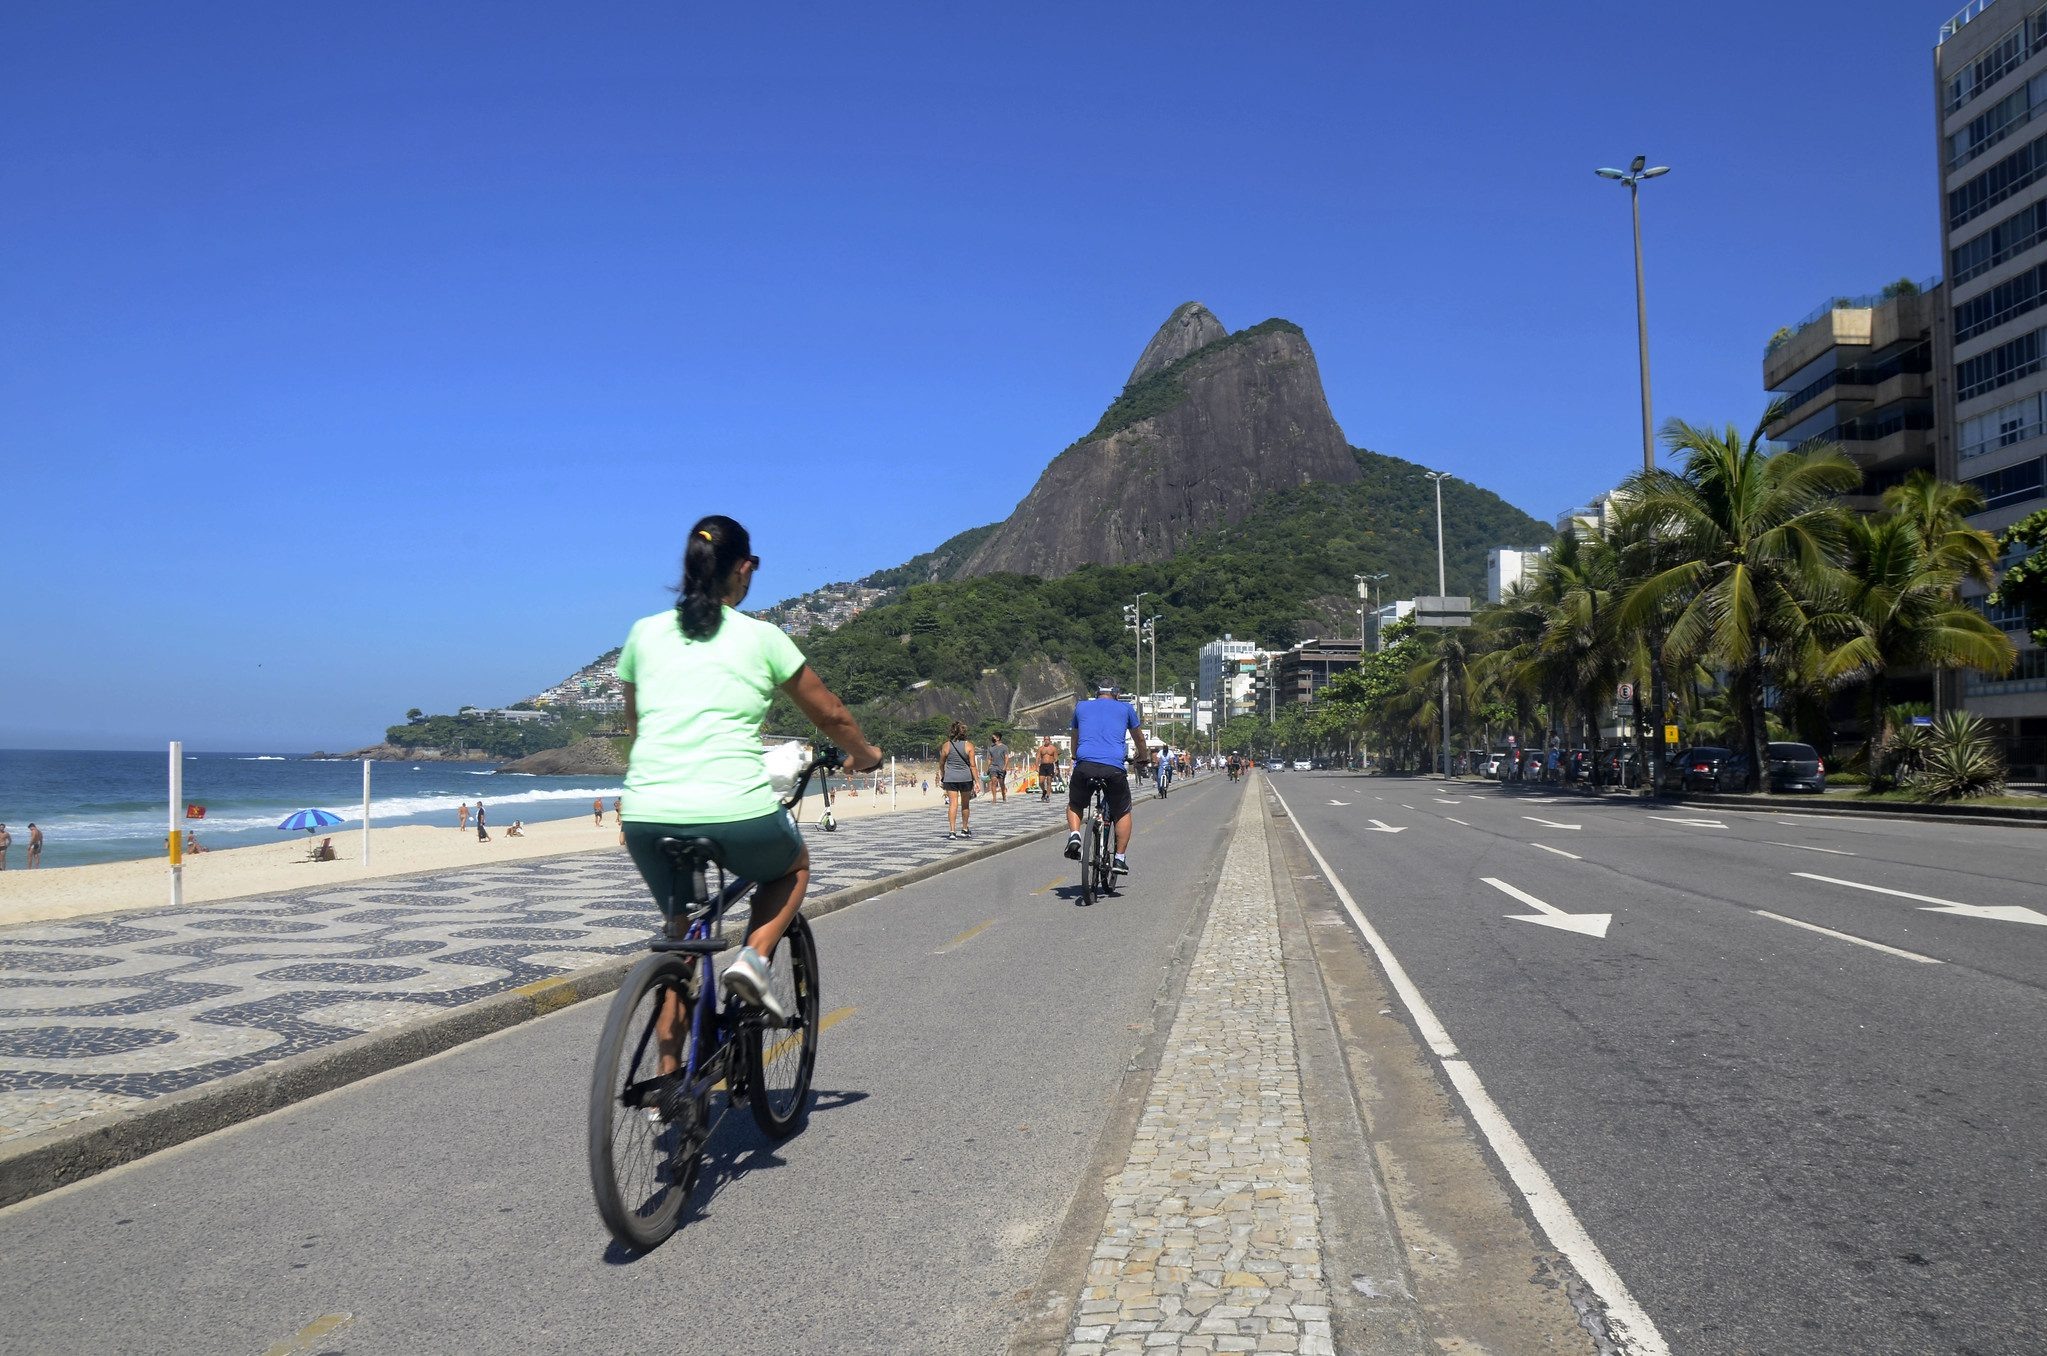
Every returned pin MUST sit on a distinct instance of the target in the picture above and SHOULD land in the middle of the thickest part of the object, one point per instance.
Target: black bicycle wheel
(1105, 858)
(780, 1059)
(644, 1139)
(1087, 860)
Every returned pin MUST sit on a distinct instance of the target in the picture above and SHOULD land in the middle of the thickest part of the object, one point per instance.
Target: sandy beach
(232, 873)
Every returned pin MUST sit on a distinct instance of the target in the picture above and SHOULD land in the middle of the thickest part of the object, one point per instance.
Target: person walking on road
(958, 769)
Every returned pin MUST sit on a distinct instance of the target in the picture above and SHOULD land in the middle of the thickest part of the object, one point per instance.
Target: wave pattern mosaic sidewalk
(1212, 1240)
(97, 1014)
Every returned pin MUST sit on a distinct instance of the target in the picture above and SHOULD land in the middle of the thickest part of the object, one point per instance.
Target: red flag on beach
(195, 812)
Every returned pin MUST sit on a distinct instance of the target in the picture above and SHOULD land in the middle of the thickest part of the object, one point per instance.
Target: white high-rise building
(1506, 566)
(1216, 657)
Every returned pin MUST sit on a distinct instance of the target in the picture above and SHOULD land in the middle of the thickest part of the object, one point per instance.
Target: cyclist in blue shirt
(1098, 729)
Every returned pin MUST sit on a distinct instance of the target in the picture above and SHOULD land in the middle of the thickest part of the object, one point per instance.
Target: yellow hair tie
(705, 535)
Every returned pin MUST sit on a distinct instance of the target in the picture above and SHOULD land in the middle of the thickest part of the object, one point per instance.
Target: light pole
(1442, 588)
(1136, 615)
(1633, 177)
(1151, 633)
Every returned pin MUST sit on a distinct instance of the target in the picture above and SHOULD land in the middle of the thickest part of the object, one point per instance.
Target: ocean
(97, 806)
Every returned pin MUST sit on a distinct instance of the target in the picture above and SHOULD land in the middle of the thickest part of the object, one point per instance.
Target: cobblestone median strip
(124, 1034)
(1212, 1241)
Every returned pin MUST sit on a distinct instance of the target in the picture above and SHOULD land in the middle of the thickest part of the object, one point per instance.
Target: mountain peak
(1190, 326)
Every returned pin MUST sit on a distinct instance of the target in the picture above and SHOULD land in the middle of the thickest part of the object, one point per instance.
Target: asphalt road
(981, 1024)
(1784, 1140)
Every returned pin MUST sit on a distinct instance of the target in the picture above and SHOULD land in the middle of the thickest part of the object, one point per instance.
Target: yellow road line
(1050, 885)
(964, 937)
(826, 1023)
(548, 994)
(326, 1325)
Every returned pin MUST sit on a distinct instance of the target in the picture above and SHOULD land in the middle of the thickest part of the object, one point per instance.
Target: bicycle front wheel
(1088, 853)
(780, 1059)
(644, 1136)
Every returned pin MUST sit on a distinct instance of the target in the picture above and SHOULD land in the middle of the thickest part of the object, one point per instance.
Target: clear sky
(370, 356)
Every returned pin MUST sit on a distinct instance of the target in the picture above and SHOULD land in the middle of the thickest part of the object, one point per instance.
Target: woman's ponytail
(715, 548)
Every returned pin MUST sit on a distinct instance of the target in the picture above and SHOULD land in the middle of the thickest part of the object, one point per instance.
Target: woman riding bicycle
(698, 681)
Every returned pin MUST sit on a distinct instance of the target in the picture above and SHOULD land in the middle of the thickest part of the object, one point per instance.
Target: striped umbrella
(309, 820)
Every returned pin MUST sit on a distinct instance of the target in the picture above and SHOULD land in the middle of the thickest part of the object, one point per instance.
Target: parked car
(1621, 768)
(1531, 765)
(1796, 767)
(1708, 767)
(1496, 764)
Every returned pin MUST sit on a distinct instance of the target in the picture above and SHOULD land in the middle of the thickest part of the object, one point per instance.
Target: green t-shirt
(698, 756)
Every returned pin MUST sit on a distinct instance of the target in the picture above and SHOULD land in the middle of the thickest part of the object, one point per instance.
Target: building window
(2011, 298)
(2001, 427)
(1997, 367)
(2016, 171)
(1997, 122)
(2028, 674)
(2012, 485)
(2015, 234)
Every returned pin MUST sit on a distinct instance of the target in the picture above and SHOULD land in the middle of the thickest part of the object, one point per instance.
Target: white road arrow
(1695, 823)
(1551, 823)
(1381, 826)
(1549, 915)
(1339, 802)
(2003, 913)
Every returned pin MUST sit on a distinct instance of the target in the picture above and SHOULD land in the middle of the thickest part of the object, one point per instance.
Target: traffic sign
(1442, 611)
(1624, 693)
(1670, 734)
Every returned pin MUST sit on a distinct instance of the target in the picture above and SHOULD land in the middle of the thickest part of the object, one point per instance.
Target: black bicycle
(648, 1128)
(1097, 859)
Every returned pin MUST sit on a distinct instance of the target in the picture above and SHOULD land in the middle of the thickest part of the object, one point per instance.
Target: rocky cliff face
(1209, 423)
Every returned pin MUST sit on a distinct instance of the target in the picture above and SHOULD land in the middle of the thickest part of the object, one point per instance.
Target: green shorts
(763, 849)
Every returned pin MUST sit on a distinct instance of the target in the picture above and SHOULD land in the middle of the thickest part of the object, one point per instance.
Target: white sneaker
(748, 976)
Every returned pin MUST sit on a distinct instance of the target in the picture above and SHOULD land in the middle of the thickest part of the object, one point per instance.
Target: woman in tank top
(959, 768)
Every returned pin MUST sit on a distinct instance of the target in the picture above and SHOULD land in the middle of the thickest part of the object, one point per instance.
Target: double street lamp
(1633, 177)
(1442, 589)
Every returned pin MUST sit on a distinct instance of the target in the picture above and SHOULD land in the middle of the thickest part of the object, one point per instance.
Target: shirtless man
(1048, 767)
(35, 845)
(597, 812)
(462, 816)
(6, 842)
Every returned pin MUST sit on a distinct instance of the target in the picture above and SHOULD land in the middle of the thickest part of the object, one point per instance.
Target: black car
(1796, 767)
(1708, 767)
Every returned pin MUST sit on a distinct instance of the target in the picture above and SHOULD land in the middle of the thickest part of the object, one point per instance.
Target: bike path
(981, 1026)
(1782, 1140)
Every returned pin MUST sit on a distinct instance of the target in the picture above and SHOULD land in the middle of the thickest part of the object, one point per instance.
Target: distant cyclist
(697, 681)
(1235, 767)
(1099, 727)
(1162, 769)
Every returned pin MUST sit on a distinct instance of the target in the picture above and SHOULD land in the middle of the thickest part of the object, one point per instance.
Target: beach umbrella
(309, 820)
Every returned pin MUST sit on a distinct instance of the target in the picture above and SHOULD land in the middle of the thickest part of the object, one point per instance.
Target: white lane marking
(2003, 913)
(1626, 1319)
(1381, 826)
(1549, 915)
(1551, 823)
(1859, 941)
(1455, 820)
(1559, 851)
(1407, 807)
(1339, 802)
(1695, 823)
(1441, 801)
(1808, 847)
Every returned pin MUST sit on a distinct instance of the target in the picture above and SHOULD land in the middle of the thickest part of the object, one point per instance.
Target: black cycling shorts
(1115, 784)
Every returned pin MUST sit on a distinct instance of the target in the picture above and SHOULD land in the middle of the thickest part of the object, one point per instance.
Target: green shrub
(1847, 779)
(1960, 762)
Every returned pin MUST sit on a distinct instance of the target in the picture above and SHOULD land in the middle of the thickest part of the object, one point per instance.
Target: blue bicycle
(669, 1045)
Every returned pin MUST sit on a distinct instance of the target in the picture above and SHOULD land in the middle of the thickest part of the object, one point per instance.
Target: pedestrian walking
(6, 842)
(1048, 767)
(998, 768)
(462, 815)
(959, 768)
(35, 845)
(597, 812)
(482, 834)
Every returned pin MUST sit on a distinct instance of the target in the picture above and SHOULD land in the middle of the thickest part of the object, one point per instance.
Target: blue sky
(378, 356)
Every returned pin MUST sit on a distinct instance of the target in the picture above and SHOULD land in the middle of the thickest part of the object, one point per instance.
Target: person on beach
(6, 842)
(616, 803)
(35, 845)
(597, 812)
(1048, 766)
(462, 815)
(192, 845)
(482, 834)
(518, 829)
(697, 682)
(959, 767)
(325, 852)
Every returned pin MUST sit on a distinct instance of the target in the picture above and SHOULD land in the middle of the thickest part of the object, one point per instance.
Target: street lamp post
(1633, 177)
(1442, 588)
(1137, 627)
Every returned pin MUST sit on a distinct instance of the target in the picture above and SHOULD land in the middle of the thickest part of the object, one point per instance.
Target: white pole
(891, 781)
(365, 812)
(176, 841)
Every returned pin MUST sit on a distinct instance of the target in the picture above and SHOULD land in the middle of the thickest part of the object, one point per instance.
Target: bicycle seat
(691, 852)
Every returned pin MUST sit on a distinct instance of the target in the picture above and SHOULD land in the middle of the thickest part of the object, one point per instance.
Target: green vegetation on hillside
(504, 739)
(942, 562)
(1259, 580)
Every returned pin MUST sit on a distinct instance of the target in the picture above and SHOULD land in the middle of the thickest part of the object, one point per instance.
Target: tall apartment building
(1507, 566)
(1990, 86)
(1216, 657)
(1858, 371)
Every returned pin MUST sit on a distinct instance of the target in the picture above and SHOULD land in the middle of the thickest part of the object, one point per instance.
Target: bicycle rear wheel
(780, 1059)
(644, 1137)
(1105, 860)
(1088, 850)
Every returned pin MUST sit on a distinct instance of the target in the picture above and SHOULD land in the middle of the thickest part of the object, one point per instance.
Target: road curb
(71, 1153)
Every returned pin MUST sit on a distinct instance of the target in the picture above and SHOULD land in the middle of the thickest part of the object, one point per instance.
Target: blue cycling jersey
(1098, 726)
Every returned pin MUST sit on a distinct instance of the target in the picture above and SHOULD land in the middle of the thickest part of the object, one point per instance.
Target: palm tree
(1940, 510)
(1754, 534)
(1901, 597)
